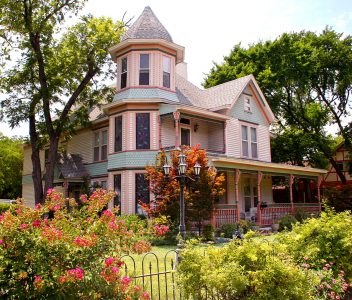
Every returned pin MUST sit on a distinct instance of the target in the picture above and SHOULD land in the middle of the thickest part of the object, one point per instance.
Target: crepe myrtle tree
(200, 195)
(52, 75)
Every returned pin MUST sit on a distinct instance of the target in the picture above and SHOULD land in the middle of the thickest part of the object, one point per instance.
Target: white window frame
(100, 146)
(166, 71)
(124, 72)
(247, 104)
(249, 141)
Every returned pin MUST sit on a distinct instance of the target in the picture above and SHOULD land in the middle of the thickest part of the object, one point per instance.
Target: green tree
(51, 77)
(11, 159)
(306, 78)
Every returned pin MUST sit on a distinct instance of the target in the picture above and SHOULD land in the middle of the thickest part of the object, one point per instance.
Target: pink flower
(126, 280)
(36, 223)
(83, 198)
(38, 206)
(1, 217)
(305, 258)
(2, 242)
(76, 273)
(109, 261)
(49, 191)
(24, 226)
(327, 265)
(56, 207)
(137, 289)
(334, 281)
(115, 270)
(325, 268)
(37, 278)
(145, 296)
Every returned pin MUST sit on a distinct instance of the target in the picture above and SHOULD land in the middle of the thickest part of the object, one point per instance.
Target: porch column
(319, 181)
(291, 181)
(259, 211)
(177, 121)
(237, 178)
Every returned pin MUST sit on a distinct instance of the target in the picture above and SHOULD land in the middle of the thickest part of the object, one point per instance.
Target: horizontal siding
(82, 143)
(97, 169)
(167, 132)
(263, 143)
(215, 137)
(27, 179)
(200, 137)
(255, 116)
(27, 161)
(28, 195)
(131, 159)
(233, 138)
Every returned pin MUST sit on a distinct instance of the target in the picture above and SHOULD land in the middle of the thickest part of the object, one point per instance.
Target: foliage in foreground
(323, 240)
(313, 261)
(49, 252)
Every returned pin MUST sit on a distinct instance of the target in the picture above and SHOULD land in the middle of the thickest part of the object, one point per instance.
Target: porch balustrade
(229, 213)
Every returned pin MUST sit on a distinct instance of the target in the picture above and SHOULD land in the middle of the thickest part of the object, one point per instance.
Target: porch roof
(266, 167)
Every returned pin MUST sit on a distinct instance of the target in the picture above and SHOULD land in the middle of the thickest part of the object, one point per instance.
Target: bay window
(142, 131)
(166, 71)
(123, 83)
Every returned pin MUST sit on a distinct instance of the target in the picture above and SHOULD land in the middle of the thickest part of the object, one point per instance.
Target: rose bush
(66, 250)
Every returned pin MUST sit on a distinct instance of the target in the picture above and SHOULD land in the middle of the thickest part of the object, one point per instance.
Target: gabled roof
(71, 166)
(221, 96)
(147, 26)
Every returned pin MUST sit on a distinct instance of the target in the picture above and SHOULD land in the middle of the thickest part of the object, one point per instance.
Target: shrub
(72, 254)
(4, 207)
(245, 270)
(227, 230)
(323, 240)
(286, 222)
(208, 232)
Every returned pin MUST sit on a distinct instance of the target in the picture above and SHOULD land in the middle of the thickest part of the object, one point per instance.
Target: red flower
(109, 261)
(36, 223)
(126, 280)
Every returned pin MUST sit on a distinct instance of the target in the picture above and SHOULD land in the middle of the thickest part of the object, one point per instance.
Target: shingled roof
(71, 166)
(220, 95)
(147, 26)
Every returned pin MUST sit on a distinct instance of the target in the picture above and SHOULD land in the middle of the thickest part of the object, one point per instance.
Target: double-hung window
(166, 71)
(144, 69)
(123, 83)
(100, 145)
(249, 142)
(247, 104)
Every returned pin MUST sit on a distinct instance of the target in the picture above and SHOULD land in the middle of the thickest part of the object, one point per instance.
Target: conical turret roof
(147, 26)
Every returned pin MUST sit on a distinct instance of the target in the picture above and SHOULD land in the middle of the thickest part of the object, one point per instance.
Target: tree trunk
(37, 172)
(50, 164)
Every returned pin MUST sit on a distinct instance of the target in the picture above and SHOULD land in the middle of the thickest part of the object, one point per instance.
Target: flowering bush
(60, 250)
(250, 269)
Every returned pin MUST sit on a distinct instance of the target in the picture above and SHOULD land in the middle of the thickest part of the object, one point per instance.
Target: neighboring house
(343, 159)
(156, 107)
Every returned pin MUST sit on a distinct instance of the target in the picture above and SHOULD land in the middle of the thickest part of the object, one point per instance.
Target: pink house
(156, 107)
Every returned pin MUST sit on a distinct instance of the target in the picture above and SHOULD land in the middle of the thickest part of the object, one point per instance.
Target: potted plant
(275, 224)
(263, 205)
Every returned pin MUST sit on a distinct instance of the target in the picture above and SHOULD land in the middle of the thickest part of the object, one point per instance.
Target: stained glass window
(118, 133)
(142, 192)
(142, 131)
(117, 189)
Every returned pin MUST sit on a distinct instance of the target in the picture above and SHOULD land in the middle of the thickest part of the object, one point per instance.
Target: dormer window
(247, 104)
(144, 69)
(166, 71)
(123, 73)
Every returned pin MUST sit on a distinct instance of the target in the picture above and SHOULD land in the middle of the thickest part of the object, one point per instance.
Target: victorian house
(156, 107)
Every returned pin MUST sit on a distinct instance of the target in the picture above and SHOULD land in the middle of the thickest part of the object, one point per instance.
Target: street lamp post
(182, 177)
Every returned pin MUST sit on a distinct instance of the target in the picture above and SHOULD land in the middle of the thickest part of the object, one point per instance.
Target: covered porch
(264, 192)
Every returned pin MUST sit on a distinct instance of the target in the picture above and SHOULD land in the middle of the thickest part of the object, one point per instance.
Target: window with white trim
(100, 145)
(247, 104)
(166, 71)
(249, 142)
(123, 82)
(144, 69)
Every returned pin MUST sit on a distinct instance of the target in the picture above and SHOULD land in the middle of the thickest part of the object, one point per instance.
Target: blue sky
(209, 29)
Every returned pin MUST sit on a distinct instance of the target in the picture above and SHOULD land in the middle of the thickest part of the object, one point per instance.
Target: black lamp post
(182, 177)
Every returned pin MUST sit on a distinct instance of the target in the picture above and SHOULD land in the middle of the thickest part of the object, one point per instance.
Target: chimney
(181, 69)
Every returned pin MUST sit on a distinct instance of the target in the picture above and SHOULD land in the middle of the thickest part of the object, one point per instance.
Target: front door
(250, 193)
